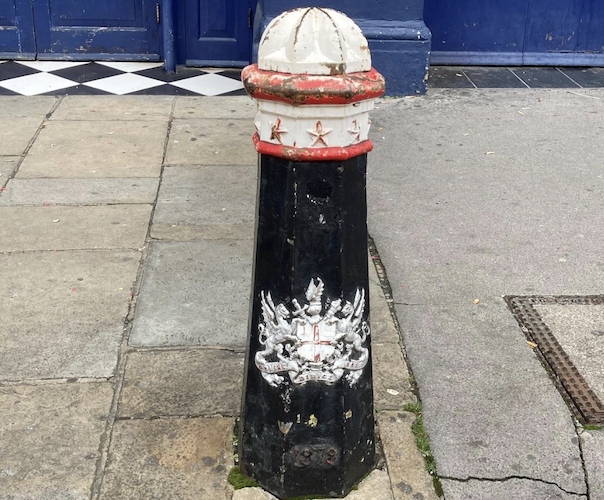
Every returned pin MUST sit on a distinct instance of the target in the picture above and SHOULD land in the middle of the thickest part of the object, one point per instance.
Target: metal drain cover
(569, 333)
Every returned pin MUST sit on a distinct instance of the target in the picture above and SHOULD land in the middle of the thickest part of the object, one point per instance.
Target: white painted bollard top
(313, 41)
(314, 85)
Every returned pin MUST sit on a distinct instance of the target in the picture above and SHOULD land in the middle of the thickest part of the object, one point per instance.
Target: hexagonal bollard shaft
(307, 425)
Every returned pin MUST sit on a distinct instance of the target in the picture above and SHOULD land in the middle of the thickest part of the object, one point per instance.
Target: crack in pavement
(580, 445)
(507, 478)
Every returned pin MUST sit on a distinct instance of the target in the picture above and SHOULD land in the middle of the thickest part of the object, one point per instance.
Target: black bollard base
(307, 423)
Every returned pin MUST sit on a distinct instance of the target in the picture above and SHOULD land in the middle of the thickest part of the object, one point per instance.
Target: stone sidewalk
(126, 233)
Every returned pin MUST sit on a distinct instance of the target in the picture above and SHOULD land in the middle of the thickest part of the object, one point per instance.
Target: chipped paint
(312, 154)
(312, 421)
(284, 427)
(312, 89)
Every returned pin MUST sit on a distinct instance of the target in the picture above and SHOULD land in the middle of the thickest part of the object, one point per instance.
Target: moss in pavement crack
(238, 480)
(423, 443)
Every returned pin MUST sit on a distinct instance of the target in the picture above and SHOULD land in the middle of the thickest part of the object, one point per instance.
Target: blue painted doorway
(80, 29)
(218, 32)
(17, 38)
(516, 32)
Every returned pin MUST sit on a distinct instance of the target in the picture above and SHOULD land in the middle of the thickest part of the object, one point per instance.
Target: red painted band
(337, 153)
(312, 89)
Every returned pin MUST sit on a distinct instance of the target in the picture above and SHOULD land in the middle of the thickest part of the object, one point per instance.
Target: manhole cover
(569, 333)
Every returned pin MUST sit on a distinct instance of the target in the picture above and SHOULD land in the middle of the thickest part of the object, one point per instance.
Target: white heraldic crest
(310, 346)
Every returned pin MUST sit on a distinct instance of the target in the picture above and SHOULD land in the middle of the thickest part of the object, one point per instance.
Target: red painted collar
(312, 89)
(336, 153)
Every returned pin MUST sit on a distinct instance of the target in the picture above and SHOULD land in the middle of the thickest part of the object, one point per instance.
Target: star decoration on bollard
(355, 132)
(276, 131)
(319, 134)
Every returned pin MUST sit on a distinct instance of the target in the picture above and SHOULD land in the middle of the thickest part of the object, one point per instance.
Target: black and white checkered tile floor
(96, 78)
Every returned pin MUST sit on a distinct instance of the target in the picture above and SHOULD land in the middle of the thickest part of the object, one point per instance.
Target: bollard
(307, 424)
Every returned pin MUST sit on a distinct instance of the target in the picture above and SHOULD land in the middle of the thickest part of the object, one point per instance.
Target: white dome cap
(313, 41)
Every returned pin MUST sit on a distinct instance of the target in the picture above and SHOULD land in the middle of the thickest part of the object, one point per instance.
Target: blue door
(79, 29)
(96, 29)
(516, 32)
(565, 33)
(16, 30)
(218, 32)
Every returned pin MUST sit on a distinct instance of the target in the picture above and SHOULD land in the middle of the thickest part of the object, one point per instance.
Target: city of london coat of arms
(315, 342)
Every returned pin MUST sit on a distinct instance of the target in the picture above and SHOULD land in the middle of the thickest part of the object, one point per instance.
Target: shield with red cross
(316, 341)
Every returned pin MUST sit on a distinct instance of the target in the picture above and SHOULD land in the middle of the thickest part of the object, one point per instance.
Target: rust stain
(297, 30)
(313, 89)
(335, 68)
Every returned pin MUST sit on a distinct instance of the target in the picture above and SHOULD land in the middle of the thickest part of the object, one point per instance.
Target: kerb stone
(593, 455)
(405, 463)
(391, 386)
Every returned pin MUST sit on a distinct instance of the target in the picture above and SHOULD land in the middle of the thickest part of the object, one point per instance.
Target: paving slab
(232, 107)
(211, 142)
(454, 224)
(206, 202)
(375, 486)
(172, 459)
(7, 165)
(102, 148)
(112, 107)
(79, 191)
(518, 489)
(20, 106)
(592, 442)
(178, 383)
(72, 228)
(391, 386)
(409, 478)
(17, 133)
(63, 312)
(383, 330)
(194, 293)
(50, 439)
